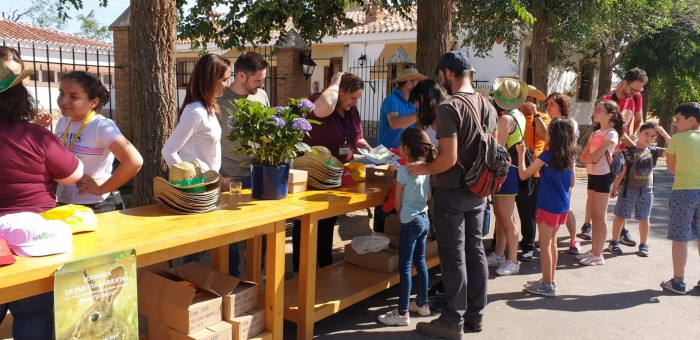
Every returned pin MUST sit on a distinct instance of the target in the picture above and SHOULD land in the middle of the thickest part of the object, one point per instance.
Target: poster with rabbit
(96, 298)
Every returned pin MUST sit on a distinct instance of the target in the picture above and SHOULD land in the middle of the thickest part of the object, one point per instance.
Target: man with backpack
(458, 213)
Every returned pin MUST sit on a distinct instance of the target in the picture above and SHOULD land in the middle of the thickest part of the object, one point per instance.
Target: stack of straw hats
(188, 190)
(324, 170)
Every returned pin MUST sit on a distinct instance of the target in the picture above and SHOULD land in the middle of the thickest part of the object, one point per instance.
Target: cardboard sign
(96, 297)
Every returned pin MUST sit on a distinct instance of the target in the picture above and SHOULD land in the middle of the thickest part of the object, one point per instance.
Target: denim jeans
(33, 317)
(412, 250)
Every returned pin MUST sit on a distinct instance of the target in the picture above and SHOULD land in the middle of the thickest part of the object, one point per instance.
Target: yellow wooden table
(312, 297)
(157, 235)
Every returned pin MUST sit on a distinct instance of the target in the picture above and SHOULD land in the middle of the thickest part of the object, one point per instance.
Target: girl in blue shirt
(411, 204)
(556, 167)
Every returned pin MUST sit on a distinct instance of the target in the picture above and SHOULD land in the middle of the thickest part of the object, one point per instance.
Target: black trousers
(324, 250)
(527, 210)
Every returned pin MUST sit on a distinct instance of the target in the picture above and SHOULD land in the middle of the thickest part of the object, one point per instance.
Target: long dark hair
(428, 94)
(418, 145)
(562, 144)
(16, 105)
(616, 119)
(208, 70)
(91, 85)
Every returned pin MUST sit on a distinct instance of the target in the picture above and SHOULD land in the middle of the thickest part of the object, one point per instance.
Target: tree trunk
(540, 49)
(434, 36)
(666, 114)
(605, 75)
(152, 38)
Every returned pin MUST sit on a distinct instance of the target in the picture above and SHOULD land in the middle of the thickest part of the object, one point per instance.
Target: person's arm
(671, 162)
(363, 144)
(660, 129)
(130, 162)
(540, 126)
(638, 120)
(398, 192)
(596, 156)
(445, 160)
(503, 127)
(325, 104)
(72, 178)
(397, 121)
(618, 180)
(523, 172)
(186, 127)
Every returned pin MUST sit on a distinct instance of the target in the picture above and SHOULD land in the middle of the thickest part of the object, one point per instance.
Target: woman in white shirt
(198, 133)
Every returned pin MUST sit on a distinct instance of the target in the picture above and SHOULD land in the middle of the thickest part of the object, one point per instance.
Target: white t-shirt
(92, 148)
(195, 138)
(432, 135)
(602, 166)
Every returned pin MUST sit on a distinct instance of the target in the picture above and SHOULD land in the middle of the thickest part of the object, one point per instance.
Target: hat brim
(18, 79)
(409, 77)
(210, 176)
(511, 104)
(58, 246)
(210, 187)
(184, 210)
(83, 227)
(535, 93)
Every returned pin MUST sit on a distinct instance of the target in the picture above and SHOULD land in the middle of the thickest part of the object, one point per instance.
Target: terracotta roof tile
(29, 33)
(385, 23)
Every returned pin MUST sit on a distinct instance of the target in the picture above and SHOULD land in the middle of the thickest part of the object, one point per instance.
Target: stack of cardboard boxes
(193, 302)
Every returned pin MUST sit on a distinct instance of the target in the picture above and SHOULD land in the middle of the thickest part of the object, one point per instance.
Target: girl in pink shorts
(556, 167)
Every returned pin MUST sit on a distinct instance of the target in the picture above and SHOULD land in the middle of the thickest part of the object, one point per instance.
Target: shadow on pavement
(578, 303)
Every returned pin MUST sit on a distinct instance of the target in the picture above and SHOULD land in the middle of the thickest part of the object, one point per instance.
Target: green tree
(41, 13)
(92, 29)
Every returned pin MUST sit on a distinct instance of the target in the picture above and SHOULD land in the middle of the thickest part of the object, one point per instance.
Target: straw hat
(8, 79)
(407, 74)
(509, 93)
(324, 170)
(188, 191)
(188, 175)
(535, 93)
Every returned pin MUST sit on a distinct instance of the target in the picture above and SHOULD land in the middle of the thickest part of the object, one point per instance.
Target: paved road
(621, 299)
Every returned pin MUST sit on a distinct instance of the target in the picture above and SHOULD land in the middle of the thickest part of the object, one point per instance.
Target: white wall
(494, 66)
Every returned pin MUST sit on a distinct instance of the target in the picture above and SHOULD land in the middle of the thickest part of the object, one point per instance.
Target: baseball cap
(455, 61)
(5, 254)
(28, 234)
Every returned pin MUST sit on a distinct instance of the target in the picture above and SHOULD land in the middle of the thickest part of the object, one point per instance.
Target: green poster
(96, 298)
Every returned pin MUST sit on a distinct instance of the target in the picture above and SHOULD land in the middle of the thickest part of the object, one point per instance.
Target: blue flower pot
(269, 182)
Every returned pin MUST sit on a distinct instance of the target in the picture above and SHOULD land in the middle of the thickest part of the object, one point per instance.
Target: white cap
(29, 234)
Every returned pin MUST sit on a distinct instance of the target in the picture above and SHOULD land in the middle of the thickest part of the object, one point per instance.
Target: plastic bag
(373, 243)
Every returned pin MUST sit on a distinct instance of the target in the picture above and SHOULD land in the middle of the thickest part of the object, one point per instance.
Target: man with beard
(458, 214)
(249, 80)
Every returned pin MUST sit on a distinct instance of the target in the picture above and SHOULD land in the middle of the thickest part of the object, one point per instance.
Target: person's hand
(521, 148)
(614, 191)
(88, 185)
(528, 109)
(336, 78)
(43, 119)
(660, 129)
(415, 169)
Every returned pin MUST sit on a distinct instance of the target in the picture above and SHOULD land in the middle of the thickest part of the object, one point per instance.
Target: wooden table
(315, 295)
(157, 235)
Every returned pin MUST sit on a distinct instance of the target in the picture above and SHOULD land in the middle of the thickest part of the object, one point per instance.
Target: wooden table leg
(219, 259)
(253, 259)
(307, 276)
(274, 282)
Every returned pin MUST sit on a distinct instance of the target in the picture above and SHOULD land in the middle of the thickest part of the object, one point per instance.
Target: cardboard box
(392, 225)
(431, 249)
(218, 331)
(248, 325)
(381, 174)
(393, 240)
(179, 306)
(386, 261)
(297, 180)
(238, 296)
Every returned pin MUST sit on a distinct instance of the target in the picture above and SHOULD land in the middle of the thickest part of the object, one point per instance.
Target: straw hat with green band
(188, 177)
(509, 93)
(8, 79)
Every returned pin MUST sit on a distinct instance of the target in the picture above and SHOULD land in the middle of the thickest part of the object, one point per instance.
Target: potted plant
(271, 138)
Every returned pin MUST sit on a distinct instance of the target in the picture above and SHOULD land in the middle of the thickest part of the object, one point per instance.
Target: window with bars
(585, 85)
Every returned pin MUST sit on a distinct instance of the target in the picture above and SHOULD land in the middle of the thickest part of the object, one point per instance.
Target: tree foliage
(41, 13)
(92, 29)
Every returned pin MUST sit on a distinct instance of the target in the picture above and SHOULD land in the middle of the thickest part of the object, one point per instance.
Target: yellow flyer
(96, 298)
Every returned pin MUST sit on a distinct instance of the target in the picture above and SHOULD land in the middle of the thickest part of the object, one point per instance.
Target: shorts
(601, 183)
(639, 200)
(512, 183)
(551, 219)
(684, 215)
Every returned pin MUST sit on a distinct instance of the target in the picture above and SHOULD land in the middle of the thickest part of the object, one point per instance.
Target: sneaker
(542, 289)
(698, 285)
(593, 260)
(537, 282)
(525, 256)
(574, 247)
(437, 289)
(423, 310)
(586, 230)
(473, 323)
(495, 260)
(434, 329)
(672, 286)
(643, 250)
(614, 247)
(393, 318)
(626, 238)
(583, 255)
(508, 268)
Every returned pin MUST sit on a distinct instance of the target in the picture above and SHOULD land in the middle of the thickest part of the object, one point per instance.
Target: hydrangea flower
(279, 109)
(279, 122)
(301, 124)
(306, 105)
(230, 122)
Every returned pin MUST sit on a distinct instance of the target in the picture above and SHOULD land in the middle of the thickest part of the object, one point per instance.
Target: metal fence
(51, 62)
(375, 76)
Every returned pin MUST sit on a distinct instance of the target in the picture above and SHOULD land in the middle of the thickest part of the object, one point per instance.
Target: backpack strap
(629, 161)
(479, 119)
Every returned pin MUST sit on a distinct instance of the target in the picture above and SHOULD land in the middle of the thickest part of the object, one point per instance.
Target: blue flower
(301, 124)
(306, 105)
(279, 122)
(230, 122)
(279, 109)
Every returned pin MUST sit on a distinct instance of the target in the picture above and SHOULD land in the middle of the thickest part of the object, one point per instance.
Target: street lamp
(362, 59)
(307, 64)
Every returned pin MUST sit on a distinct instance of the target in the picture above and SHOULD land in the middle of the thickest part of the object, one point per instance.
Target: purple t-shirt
(336, 131)
(32, 158)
